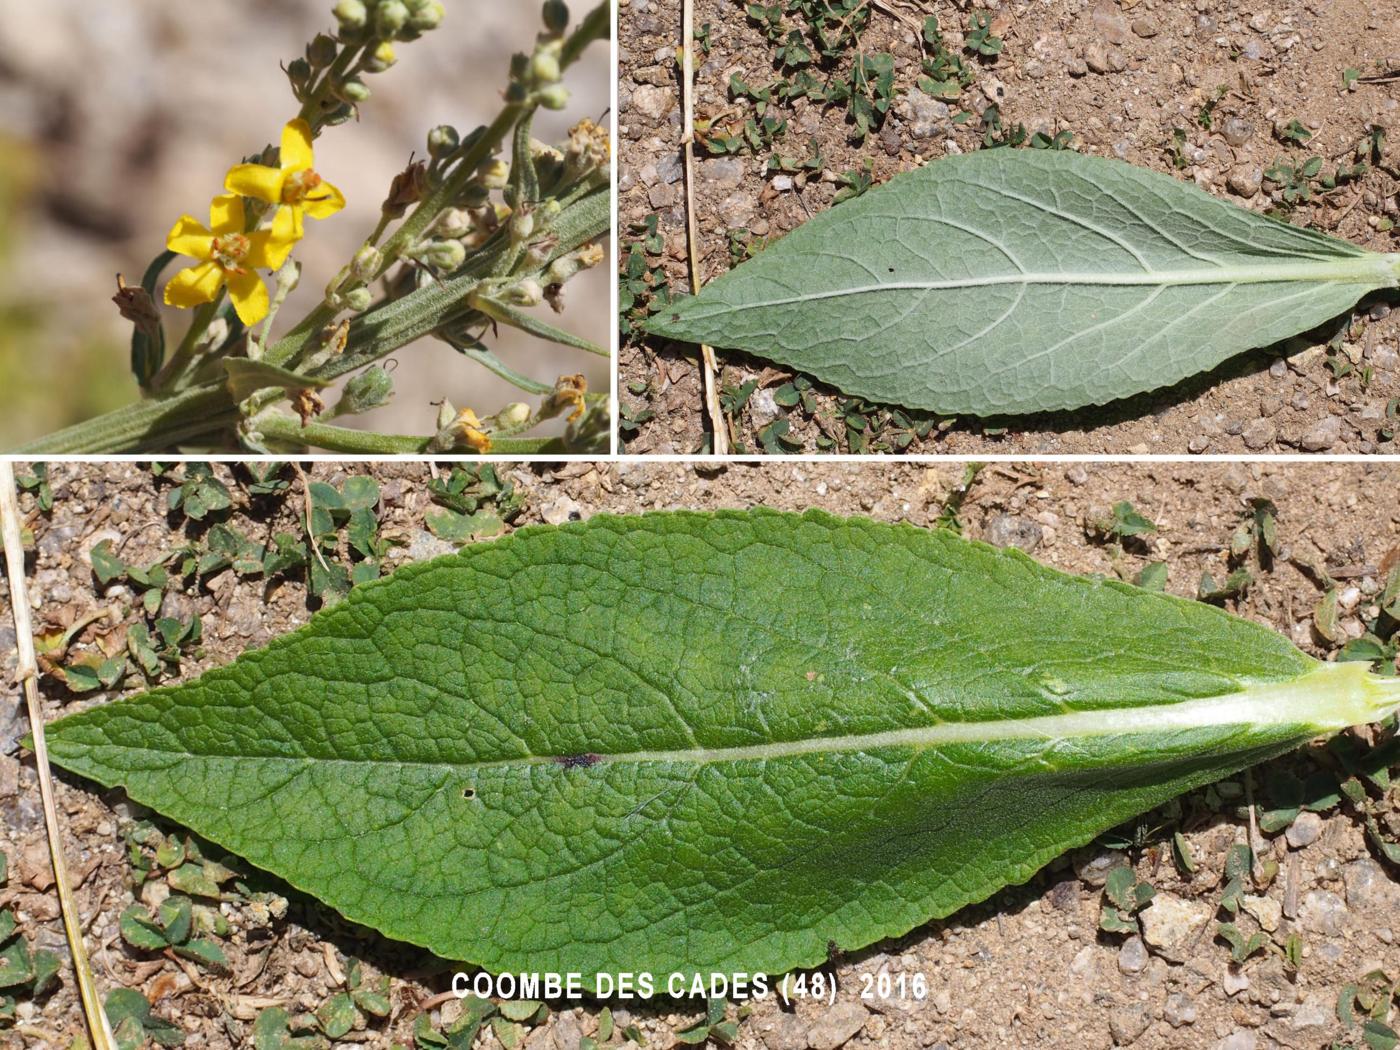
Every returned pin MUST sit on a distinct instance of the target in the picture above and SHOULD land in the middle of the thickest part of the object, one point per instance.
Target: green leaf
(128, 1009)
(176, 916)
(1379, 1035)
(1012, 281)
(16, 965)
(653, 742)
(1241, 947)
(246, 378)
(139, 930)
(206, 952)
(1128, 522)
(462, 528)
(336, 1015)
(46, 964)
(1153, 576)
(106, 566)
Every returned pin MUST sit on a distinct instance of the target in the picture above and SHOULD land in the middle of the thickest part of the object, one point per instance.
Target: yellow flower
(567, 396)
(468, 432)
(295, 186)
(231, 256)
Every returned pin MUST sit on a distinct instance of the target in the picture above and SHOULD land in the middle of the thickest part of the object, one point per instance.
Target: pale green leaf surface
(694, 741)
(1014, 281)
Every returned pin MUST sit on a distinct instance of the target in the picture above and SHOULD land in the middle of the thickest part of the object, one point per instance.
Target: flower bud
(494, 174)
(522, 224)
(353, 90)
(426, 15)
(525, 293)
(367, 262)
(515, 414)
(351, 14)
(299, 73)
(553, 96)
(446, 414)
(544, 68)
(473, 195)
(442, 140)
(358, 299)
(443, 255)
(389, 17)
(365, 391)
(339, 115)
(381, 58)
(322, 50)
(556, 16)
(453, 223)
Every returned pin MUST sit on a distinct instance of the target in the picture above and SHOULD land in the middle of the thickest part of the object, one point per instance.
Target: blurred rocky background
(116, 117)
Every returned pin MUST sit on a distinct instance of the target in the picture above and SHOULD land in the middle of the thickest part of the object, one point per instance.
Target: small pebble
(1132, 957)
(1324, 435)
(1307, 828)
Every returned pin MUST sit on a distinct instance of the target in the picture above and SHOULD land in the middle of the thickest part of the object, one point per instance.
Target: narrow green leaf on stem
(533, 325)
(152, 424)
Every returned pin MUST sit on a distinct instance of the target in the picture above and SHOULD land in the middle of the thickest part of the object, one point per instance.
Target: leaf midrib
(1310, 702)
(1377, 271)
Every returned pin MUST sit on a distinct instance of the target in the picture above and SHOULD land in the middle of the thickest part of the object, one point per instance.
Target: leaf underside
(679, 742)
(1013, 281)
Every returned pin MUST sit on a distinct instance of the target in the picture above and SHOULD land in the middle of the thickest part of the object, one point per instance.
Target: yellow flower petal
(249, 296)
(327, 201)
(257, 181)
(296, 146)
(189, 237)
(226, 214)
(268, 249)
(196, 285)
(285, 226)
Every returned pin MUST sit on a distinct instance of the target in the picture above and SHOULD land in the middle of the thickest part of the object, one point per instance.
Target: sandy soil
(1122, 77)
(1027, 968)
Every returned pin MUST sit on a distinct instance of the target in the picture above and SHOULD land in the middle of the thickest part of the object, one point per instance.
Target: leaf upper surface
(679, 742)
(1013, 281)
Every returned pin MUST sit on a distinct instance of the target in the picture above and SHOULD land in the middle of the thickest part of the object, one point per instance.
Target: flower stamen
(229, 251)
(300, 185)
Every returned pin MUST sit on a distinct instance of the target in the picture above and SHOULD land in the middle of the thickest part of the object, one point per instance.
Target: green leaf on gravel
(1014, 281)
(694, 741)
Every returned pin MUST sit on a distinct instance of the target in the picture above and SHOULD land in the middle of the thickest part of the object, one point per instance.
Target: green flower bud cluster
(387, 19)
(347, 290)
(373, 25)
(536, 77)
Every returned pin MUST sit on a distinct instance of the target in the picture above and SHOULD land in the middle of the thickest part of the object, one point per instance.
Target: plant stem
(282, 427)
(203, 318)
(27, 671)
(154, 424)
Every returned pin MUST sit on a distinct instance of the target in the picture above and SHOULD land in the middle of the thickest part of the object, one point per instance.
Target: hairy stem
(157, 424)
(284, 428)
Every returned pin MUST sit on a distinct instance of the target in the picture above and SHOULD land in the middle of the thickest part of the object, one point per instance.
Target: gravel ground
(1028, 968)
(1124, 77)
